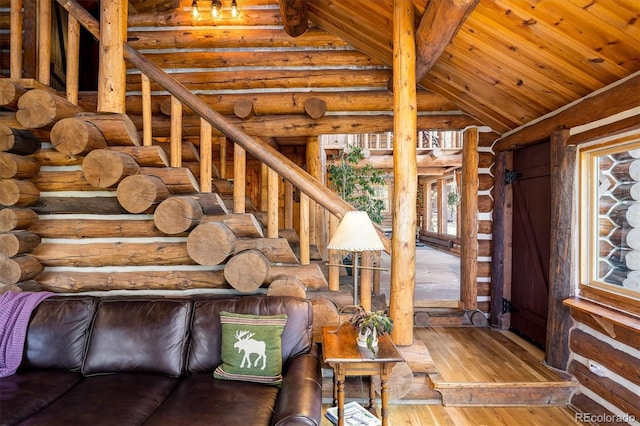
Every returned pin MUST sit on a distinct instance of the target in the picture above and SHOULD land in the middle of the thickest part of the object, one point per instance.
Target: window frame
(588, 225)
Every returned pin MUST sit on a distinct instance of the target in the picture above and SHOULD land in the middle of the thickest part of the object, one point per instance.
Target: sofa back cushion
(139, 335)
(206, 331)
(57, 334)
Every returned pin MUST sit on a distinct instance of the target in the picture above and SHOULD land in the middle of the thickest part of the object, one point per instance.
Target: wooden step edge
(493, 394)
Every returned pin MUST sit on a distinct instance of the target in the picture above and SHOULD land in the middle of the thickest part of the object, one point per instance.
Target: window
(610, 218)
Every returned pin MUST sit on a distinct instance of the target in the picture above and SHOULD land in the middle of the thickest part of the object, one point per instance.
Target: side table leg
(385, 369)
(339, 372)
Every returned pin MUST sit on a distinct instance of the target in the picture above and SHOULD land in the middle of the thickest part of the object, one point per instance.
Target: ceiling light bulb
(234, 9)
(194, 9)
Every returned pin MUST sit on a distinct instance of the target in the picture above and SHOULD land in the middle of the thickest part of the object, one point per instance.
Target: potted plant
(370, 325)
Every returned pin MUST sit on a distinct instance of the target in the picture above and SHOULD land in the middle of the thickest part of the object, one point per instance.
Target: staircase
(90, 209)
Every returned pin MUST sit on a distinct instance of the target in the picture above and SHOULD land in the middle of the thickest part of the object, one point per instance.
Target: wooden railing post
(273, 185)
(44, 42)
(147, 119)
(304, 229)
(206, 156)
(15, 60)
(223, 157)
(176, 132)
(73, 59)
(288, 205)
(335, 257)
(469, 223)
(239, 178)
(112, 70)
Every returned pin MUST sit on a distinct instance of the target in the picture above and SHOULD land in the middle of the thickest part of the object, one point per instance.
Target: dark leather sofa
(94, 361)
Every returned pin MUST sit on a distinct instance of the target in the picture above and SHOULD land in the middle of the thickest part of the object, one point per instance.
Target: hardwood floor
(477, 359)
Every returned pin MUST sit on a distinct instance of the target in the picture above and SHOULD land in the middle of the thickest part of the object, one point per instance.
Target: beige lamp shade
(356, 233)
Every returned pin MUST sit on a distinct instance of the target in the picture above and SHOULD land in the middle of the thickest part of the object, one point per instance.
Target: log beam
(618, 97)
(439, 24)
(294, 16)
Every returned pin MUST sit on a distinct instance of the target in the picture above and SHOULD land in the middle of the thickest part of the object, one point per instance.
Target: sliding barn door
(531, 230)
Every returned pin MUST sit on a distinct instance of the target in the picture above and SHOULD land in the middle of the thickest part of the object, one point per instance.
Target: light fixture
(216, 8)
(355, 234)
(234, 9)
(194, 9)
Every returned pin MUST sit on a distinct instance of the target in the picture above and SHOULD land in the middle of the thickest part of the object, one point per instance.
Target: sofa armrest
(300, 399)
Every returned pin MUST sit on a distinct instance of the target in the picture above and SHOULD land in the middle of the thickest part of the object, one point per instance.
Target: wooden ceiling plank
(492, 95)
(546, 39)
(494, 60)
(548, 28)
(623, 17)
(498, 123)
(295, 19)
(618, 98)
(438, 26)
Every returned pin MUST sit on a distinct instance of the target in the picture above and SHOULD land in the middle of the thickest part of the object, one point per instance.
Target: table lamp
(355, 234)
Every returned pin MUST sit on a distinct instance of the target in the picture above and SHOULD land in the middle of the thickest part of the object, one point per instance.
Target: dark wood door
(531, 230)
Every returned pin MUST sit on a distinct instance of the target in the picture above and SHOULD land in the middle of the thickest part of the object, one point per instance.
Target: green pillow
(251, 348)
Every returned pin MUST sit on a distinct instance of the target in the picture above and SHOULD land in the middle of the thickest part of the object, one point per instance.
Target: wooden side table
(340, 351)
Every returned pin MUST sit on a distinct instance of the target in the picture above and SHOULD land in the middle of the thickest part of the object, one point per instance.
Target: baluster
(16, 39)
(147, 135)
(73, 59)
(305, 256)
(272, 197)
(44, 42)
(206, 155)
(176, 132)
(239, 178)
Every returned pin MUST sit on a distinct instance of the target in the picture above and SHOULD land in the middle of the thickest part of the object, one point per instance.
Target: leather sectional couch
(95, 361)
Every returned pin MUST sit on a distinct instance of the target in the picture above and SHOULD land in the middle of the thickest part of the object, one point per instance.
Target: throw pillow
(251, 348)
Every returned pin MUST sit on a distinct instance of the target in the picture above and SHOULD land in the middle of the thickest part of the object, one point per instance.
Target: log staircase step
(501, 394)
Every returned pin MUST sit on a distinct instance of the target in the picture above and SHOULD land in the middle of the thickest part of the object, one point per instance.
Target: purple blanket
(15, 312)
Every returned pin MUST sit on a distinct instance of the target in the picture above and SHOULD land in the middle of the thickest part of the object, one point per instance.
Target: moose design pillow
(251, 348)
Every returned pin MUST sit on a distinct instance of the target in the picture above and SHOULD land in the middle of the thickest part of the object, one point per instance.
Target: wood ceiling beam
(439, 24)
(294, 16)
(615, 99)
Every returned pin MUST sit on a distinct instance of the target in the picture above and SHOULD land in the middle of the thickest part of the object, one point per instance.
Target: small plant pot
(363, 336)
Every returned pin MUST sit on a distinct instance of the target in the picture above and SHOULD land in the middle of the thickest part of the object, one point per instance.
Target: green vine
(356, 185)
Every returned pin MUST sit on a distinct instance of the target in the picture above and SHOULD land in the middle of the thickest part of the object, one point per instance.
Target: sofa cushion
(57, 334)
(201, 400)
(107, 400)
(27, 392)
(206, 331)
(251, 349)
(133, 335)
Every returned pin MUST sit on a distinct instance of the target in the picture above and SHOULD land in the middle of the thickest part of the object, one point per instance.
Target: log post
(239, 178)
(273, 186)
(141, 193)
(403, 260)
(469, 225)
(211, 243)
(18, 141)
(561, 259)
(104, 168)
(112, 68)
(14, 218)
(19, 193)
(247, 270)
(18, 166)
(366, 279)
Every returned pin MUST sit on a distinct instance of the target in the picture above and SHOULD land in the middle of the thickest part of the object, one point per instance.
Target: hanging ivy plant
(356, 185)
